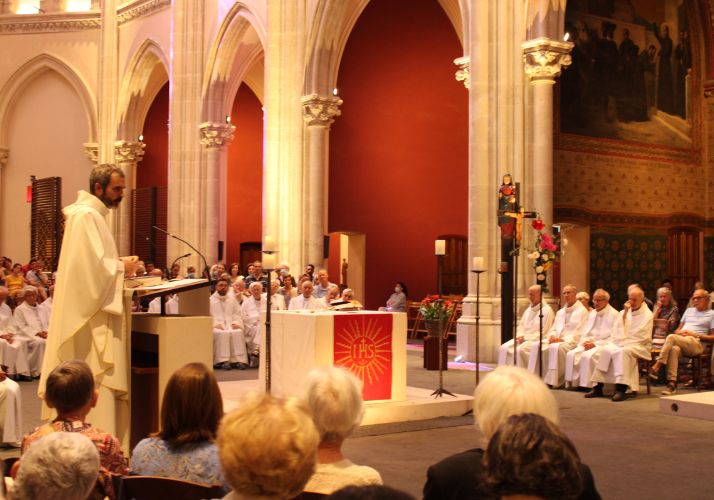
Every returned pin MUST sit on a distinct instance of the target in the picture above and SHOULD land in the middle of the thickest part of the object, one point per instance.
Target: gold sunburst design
(365, 348)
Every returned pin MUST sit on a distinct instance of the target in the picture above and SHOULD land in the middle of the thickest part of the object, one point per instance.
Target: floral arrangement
(546, 252)
(434, 309)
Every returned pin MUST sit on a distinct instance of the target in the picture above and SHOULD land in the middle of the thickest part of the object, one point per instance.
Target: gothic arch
(146, 73)
(32, 69)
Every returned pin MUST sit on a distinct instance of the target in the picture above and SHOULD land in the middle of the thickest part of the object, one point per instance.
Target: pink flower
(546, 243)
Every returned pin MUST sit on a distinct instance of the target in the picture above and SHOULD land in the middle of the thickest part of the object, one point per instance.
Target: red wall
(398, 153)
(245, 174)
(153, 170)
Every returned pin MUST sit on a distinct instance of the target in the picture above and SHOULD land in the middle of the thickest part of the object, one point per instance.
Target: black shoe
(216, 366)
(226, 366)
(596, 392)
(254, 361)
(24, 378)
(239, 366)
(619, 396)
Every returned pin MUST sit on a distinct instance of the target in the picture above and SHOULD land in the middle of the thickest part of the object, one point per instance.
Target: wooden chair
(412, 315)
(643, 367)
(151, 488)
(458, 310)
(701, 366)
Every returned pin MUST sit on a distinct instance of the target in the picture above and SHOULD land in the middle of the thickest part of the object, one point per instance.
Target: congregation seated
(630, 340)
(13, 348)
(529, 457)
(506, 391)
(35, 277)
(322, 285)
(70, 390)
(30, 329)
(277, 301)
(238, 290)
(306, 300)
(696, 326)
(698, 285)
(255, 274)
(584, 299)
(229, 337)
(15, 281)
(267, 448)
(665, 317)
(185, 448)
(528, 331)
(288, 290)
(397, 302)
(252, 308)
(62, 466)
(234, 273)
(334, 397)
(596, 333)
(333, 295)
(191, 272)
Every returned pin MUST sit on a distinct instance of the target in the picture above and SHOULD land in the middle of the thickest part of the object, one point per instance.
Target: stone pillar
(127, 155)
(4, 156)
(319, 113)
(215, 138)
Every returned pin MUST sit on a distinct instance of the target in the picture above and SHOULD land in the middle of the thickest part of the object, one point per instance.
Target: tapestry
(363, 344)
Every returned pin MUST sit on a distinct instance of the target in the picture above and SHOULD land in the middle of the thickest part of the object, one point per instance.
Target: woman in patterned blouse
(185, 446)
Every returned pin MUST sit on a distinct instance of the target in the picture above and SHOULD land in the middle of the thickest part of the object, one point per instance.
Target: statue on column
(507, 203)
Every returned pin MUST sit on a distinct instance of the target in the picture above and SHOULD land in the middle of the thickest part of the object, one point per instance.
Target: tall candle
(478, 264)
(268, 261)
(440, 247)
(268, 244)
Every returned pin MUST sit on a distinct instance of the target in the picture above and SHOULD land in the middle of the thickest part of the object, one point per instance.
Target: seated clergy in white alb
(631, 340)
(10, 411)
(578, 369)
(28, 326)
(564, 336)
(228, 332)
(529, 328)
(306, 300)
(171, 307)
(277, 301)
(13, 349)
(252, 307)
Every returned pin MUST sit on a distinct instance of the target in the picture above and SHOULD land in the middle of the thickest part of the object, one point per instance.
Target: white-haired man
(252, 308)
(306, 300)
(29, 327)
(529, 329)
(562, 337)
(601, 320)
(277, 301)
(631, 340)
(697, 325)
(229, 350)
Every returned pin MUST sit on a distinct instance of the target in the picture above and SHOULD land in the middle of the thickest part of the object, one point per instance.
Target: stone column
(4, 156)
(543, 59)
(319, 113)
(215, 138)
(127, 155)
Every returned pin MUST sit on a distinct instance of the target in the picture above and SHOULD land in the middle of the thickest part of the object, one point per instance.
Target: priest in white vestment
(29, 328)
(528, 331)
(631, 340)
(306, 300)
(10, 411)
(229, 346)
(563, 336)
(13, 349)
(601, 320)
(91, 313)
(252, 308)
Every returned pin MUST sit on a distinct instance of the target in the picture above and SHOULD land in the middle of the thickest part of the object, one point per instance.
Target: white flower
(544, 257)
(534, 255)
(539, 269)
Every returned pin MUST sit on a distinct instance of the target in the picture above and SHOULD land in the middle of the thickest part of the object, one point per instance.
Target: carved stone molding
(544, 58)
(91, 149)
(463, 74)
(216, 135)
(4, 156)
(128, 152)
(320, 110)
(140, 8)
(40, 23)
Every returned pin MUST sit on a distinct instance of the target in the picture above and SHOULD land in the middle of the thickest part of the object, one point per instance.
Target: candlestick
(268, 244)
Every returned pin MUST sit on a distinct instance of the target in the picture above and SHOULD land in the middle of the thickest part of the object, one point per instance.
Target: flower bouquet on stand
(436, 313)
(545, 253)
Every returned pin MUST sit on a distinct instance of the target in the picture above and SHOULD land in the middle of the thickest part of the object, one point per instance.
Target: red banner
(363, 344)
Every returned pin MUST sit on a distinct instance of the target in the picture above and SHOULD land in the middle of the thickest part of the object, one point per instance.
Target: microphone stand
(206, 270)
(178, 259)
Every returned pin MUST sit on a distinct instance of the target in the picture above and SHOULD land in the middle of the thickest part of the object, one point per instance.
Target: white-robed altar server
(564, 336)
(229, 349)
(306, 301)
(528, 330)
(13, 348)
(578, 368)
(631, 339)
(91, 313)
(252, 307)
(30, 329)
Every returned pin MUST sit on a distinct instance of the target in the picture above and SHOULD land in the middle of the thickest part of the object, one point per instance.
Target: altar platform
(699, 405)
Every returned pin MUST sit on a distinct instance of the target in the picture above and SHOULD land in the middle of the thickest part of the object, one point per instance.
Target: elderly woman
(185, 446)
(334, 396)
(506, 391)
(584, 299)
(665, 316)
(268, 448)
(238, 290)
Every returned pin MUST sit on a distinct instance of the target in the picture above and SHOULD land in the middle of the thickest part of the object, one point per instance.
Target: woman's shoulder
(149, 445)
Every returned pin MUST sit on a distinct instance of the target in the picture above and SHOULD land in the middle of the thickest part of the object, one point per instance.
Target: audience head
(175, 270)
(569, 295)
(257, 269)
(140, 270)
(511, 390)
(664, 296)
(234, 270)
(348, 294)
(307, 288)
(334, 397)
(288, 281)
(700, 299)
(219, 269)
(256, 289)
(30, 294)
(268, 447)
(698, 285)
(370, 492)
(17, 268)
(157, 272)
(309, 269)
(400, 287)
(250, 269)
(534, 294)
(274, 285)
(192, 406)
(322, 277)
(149, 266)
(106, 182)
(191, 270)
(61, 465)
(583, 298)
(528, 456)
(239, 285)
(333, 292)
(222, 286)
(70, 388)
(601, 299)
(635, 296)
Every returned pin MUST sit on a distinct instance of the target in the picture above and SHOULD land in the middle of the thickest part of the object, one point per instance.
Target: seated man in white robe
(306, 300)
(252, 307)
(28, 326)
(564, 336)
(171, 307)
(229, 349)
(13, 349)
(277, 301)
(631, 340)
(529, 328)
(45, 309)
(578, 370)
(10, 412)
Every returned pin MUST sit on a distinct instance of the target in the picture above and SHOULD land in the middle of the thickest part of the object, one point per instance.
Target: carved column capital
(91, 149)
(216, 135)
(544, 58)
(128, 151)
(4, 156)
(463, 74)
(320, 110)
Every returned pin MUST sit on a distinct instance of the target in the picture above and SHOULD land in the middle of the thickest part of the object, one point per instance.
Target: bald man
(528, 330)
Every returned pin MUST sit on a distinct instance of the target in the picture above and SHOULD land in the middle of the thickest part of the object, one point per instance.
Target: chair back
(151, 488)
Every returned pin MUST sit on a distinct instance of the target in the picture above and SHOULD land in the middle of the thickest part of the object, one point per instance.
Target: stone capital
(128, 151)
(216, 135)
(544, 58)
(320, 110)
(463, 74)
(91, 149)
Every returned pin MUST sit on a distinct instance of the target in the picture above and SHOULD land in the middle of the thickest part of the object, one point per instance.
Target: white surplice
(228, 330)
(92, 313)
(28, 324)
(300, 303)
(171, 307)
(528, 328)
(13, 354)
(578, 369)
(10, 411)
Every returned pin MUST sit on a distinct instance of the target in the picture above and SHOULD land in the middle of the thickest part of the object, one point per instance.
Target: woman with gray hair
(665, 316)
(334, 397)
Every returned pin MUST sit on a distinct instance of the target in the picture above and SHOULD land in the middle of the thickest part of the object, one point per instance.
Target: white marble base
(697, 405)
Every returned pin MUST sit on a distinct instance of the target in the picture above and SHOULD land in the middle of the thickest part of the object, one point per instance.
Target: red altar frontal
(369, 343)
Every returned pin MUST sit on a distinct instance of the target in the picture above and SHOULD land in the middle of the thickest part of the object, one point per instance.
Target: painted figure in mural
(682, 65)
(665, 92)
(507, 203)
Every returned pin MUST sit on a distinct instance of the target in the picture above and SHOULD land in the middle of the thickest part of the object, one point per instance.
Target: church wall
(156, 27)
(398, 176)
(153, 169)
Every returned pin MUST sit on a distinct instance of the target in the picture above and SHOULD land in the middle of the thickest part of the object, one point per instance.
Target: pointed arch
(31, 70)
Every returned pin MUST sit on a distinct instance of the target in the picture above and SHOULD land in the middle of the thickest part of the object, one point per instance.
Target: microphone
(178, 259)
(205, 264)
